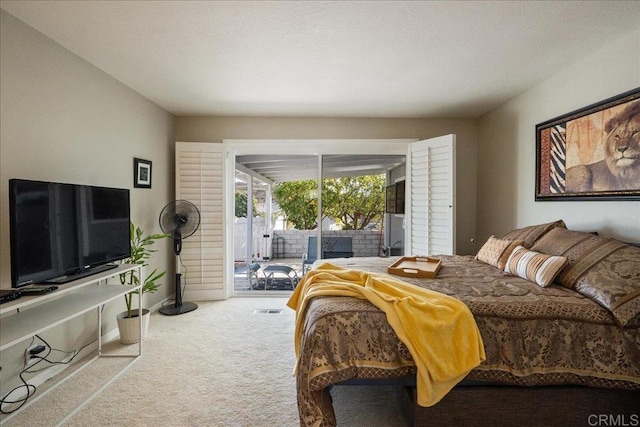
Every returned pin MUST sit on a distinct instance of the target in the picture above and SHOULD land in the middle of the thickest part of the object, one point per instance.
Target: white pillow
(534, 266)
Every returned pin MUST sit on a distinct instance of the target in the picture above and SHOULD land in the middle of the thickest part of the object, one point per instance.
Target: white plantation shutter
(430, 220)
(199, 179)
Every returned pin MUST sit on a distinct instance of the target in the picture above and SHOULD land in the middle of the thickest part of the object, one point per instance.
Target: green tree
(241, 204)
(354, 202)
(299, 201)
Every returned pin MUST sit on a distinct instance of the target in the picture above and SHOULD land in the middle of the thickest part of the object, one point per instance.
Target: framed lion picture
(592, 153)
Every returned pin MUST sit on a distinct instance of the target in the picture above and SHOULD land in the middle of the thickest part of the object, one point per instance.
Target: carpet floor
(225, 364)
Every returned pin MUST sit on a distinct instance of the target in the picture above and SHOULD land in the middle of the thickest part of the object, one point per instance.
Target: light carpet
(221, 365)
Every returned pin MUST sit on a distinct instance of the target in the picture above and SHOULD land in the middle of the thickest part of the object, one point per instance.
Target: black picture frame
(592, 153)
(141, 173)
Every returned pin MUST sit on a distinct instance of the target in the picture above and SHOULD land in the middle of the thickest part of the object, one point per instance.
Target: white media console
(26, 317)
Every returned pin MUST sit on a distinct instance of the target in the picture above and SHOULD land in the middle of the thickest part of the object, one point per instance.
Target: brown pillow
(605, 270)
(496, 251)
(614, 282)
(584, 251)
(533, 232)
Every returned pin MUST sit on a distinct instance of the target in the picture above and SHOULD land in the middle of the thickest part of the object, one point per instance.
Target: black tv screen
(60, 232)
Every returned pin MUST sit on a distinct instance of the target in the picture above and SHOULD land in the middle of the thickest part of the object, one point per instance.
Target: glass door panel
(353, 204)
(261, 223)
(272, 244)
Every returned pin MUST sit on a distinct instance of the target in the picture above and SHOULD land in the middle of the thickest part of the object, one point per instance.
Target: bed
(581, 331)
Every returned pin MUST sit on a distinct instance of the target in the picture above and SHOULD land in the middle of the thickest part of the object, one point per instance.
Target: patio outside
(290, 246)
(276, 218)
(257, 276)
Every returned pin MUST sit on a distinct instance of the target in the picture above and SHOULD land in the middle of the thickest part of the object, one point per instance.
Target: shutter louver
(433, 196)
(199, 179)
(420, 201)
(440, 204)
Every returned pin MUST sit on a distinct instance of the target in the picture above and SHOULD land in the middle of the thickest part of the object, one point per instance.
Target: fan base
(172, 310)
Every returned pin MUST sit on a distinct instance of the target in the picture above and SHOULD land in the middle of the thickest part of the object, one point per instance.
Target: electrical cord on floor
(74, 353)
(30, 388)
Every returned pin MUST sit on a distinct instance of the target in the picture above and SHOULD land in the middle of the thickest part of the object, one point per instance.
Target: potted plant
(140, 253)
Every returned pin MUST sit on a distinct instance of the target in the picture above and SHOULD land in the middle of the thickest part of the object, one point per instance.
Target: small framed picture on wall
(141, 173)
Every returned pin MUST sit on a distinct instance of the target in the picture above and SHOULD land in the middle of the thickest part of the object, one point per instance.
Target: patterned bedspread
(532, 336)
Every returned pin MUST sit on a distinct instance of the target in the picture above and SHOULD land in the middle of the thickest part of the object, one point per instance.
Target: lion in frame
(620, 168)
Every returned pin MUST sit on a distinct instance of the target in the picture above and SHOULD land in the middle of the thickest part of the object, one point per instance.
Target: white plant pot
(129, 327)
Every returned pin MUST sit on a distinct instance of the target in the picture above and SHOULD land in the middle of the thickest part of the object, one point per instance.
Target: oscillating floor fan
(179, 219)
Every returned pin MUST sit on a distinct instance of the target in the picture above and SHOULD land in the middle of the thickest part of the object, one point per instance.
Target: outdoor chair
(311, 256)
(332, 247)
(276, 273)
(251, 271)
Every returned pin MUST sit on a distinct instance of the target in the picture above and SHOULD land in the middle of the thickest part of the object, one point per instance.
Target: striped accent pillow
(534, 266)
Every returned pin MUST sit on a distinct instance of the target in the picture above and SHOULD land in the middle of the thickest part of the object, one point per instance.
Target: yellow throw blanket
(438, 330)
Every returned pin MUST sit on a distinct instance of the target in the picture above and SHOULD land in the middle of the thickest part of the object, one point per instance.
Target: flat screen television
(63, 232)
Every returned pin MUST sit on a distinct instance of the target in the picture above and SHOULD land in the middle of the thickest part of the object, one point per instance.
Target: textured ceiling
(331, 59)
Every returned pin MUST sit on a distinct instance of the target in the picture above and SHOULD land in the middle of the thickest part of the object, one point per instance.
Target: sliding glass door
(346, 219)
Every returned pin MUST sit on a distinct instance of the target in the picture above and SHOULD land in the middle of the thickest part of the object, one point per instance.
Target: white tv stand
(26, 317)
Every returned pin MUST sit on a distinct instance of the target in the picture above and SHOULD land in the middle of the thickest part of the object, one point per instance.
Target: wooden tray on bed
(411, 266)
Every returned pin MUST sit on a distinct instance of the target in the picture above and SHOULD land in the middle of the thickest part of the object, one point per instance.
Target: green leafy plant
(353, 202)
(140, 254)
(299, 201)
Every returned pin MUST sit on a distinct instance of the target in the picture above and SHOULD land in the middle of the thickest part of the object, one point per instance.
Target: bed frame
(477, 405)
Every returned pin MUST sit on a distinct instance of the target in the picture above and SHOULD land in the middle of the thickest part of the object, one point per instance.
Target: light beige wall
(506, 150)
(64, 120)
(215, 129)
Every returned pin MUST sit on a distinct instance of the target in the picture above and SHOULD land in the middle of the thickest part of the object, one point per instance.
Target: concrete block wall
(365, 242)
